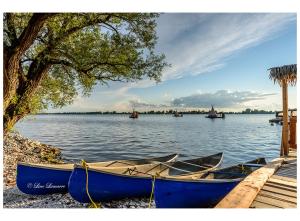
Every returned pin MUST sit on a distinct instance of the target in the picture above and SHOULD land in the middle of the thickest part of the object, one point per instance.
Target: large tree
(49, 57)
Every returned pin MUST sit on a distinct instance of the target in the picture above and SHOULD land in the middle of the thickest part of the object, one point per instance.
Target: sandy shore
(18, 148)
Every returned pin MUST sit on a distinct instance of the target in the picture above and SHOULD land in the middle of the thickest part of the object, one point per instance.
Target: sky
(216, 59)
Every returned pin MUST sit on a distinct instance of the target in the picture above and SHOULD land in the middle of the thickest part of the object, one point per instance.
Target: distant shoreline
(165, 112)
(142, 113)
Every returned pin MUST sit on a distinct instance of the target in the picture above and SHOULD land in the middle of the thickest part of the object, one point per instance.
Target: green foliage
(83, 49)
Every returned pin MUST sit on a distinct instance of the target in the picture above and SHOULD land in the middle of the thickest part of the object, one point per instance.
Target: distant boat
(177, 114)
(134, 114)
(214, 114)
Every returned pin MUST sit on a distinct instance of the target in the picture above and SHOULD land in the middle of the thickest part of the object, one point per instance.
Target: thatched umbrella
(284, 75)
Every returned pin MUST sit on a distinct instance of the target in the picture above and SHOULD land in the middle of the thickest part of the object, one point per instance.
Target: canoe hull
(44, 181)
(181, 194)
(106, 187)
(204, 192)
(39, 179)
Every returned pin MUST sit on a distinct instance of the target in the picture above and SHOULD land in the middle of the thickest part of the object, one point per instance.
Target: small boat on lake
(118, 183)
(214, 114)
(39, 179)
(134, 115)
(204, 191)
(177, 114)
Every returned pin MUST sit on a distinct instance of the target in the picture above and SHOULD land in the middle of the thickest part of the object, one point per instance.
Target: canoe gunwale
(143, 176)
(46, 166)
(203, 180)
(64, 166)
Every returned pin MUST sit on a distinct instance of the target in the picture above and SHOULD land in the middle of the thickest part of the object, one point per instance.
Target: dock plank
(280, 191)
(281, 187)
(245, 192)
(278, 196)
(284, 178)
(266, 188)
(275, 202)
(257, 204)
(283, 182)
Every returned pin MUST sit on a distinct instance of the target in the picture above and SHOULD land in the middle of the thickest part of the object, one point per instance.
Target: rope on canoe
(93, 204)
(152, 191)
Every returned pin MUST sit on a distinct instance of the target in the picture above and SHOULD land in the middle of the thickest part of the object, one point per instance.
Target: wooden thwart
(245, 192)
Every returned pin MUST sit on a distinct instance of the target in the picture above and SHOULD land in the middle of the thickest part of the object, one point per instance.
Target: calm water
(107, 137)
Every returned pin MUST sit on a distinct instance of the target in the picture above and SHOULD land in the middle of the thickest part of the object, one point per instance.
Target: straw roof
(286, 72)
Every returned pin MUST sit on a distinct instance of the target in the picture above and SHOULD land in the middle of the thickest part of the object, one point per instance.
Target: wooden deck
(273, 186)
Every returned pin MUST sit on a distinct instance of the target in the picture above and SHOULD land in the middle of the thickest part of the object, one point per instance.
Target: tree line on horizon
(246, 111)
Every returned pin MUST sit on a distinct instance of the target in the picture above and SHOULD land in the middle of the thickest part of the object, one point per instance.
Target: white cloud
(145, 105)
(221, 98)
(200, 43)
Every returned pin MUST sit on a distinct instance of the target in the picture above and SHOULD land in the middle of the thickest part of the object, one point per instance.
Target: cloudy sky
(219, 59)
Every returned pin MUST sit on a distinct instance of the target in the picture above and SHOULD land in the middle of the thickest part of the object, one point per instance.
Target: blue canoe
(115, 183)
(204, 192)
(39, 179)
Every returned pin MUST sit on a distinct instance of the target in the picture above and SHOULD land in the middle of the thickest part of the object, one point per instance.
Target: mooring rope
(93, 204)
(152, 191)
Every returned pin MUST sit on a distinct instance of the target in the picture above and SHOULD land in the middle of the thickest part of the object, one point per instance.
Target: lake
(107, 137)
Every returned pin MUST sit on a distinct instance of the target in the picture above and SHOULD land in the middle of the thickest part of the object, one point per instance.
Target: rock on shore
(13, 198)
(17, 148)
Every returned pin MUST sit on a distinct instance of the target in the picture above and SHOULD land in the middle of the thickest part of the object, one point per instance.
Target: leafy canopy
(82, 49)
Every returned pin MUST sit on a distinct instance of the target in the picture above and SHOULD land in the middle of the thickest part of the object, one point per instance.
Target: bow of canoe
(38, 179)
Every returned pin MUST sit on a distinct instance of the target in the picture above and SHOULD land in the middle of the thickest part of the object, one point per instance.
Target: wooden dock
(272, 186)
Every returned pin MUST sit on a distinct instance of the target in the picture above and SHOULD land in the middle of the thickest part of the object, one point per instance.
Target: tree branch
(31, 31)
(77, 28)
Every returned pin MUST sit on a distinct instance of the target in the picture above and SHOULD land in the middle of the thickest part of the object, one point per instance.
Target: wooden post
(285, 126)
(293, 132)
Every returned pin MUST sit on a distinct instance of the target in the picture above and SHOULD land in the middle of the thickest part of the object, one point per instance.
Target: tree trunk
(11, 118)
(20, 106)
(10, 78)
(16, 90)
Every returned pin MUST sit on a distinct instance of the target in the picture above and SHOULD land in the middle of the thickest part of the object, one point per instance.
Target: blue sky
(219, 59)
